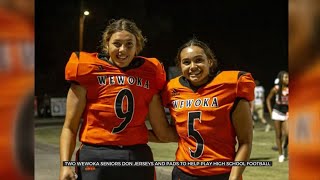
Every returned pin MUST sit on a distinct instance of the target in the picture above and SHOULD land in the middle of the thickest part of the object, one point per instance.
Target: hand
(66, 173)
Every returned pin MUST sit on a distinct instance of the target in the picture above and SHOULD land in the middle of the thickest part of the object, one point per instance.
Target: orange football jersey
(304, 125)
(117, 99)
(17, 83)
(203, 118)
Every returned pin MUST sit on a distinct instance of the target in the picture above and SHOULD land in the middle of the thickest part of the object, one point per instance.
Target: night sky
(246, 35)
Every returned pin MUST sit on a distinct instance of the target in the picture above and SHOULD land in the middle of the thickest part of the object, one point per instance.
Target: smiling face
(122, 48)
(195, 65)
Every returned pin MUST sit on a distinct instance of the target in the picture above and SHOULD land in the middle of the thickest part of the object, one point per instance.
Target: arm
(242, 122)
(76, 101)
(268, 100)
(160, 126)
(152, 137)
(252, 106)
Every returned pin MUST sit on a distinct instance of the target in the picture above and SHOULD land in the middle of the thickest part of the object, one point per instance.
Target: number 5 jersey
(117, 98)
(203, 118)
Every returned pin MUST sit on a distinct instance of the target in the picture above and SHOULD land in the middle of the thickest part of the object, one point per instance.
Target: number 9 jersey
(117, 100)
(203, 118)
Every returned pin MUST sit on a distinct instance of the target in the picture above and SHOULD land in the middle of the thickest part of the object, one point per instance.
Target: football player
(113, 92)
(211, 112)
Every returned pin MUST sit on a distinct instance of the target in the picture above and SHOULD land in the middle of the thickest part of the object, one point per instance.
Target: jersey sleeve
(161, 77)
(72, 68)
(165, 95)
(159, 74)
(77, 70)
(245, 86)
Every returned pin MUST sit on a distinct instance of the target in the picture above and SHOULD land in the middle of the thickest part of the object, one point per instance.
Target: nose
(122, 48)
(193, 65)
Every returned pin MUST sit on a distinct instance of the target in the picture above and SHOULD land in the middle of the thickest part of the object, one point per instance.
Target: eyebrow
(124, 40)
(197, 56)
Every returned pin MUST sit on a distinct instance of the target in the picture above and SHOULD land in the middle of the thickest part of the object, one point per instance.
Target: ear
(106, 44)
(138, 50)
(210, 62)
(105, 48)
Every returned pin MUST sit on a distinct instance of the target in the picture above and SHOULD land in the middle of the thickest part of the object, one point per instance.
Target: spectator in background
(47, 105)
(211, 110)
(44, 106)
(276, 82)
(279, 111)
(304, 68)
(258, 105)
(17, 83)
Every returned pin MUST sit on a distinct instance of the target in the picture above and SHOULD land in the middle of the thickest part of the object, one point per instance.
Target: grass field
(262, 143)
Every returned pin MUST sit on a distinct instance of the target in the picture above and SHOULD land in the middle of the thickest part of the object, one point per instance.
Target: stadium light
(82, 18)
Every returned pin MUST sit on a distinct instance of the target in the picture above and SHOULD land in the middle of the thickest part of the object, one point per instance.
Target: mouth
(195, 74)
(122, 57)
